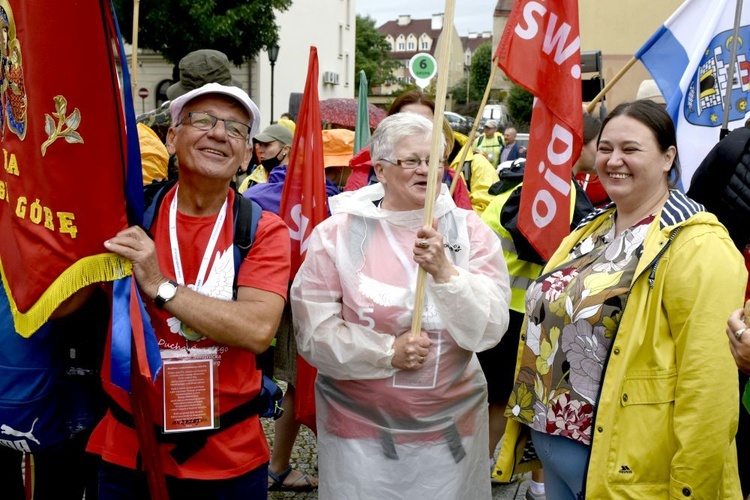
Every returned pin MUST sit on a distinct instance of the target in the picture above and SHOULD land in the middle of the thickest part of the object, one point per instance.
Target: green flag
(362, 129)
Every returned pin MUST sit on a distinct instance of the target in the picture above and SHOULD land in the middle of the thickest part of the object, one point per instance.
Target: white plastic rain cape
(383, 432)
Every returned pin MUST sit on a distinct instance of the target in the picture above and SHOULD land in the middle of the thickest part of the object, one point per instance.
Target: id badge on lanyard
(190, 390)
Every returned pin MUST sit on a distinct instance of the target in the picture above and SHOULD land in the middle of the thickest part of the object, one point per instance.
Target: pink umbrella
(343, 112)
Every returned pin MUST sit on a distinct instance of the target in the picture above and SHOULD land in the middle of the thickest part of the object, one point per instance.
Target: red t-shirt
(242, 447)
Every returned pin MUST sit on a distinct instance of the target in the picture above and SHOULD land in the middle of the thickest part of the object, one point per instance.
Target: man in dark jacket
(722, 185)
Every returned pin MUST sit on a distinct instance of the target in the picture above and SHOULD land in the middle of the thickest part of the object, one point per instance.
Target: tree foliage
(458, 92)
(239, 28)
(520, 103)
(481, 67)
(373, 54)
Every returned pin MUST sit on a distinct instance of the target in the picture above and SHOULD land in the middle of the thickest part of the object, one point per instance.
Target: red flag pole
(437, 138)
(303, 206)
(140, 404)
(157, 485)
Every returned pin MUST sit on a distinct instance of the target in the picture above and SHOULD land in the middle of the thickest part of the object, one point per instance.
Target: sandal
(303, 483)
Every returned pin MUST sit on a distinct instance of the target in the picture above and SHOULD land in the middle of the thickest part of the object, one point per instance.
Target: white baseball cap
(175, 107)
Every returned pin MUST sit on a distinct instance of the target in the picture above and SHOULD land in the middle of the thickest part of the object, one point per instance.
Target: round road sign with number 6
(423, 67)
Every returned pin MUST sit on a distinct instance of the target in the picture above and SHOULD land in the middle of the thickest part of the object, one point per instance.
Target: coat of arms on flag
(704, 103)
(12, 92)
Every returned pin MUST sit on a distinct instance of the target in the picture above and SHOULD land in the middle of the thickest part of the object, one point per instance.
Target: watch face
(166, 291)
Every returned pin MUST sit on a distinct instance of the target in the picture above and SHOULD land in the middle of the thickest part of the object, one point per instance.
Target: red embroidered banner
(303, 206)
(540, 51)
(62, 137)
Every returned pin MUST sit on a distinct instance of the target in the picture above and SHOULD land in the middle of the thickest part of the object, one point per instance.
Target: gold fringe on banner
(84, 272)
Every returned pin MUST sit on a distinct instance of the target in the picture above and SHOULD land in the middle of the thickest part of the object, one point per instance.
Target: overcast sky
(470, 15)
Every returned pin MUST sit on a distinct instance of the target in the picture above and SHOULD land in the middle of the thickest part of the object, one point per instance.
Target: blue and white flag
(688, 58)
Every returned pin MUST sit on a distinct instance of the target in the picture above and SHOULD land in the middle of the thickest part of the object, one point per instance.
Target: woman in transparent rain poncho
(400, 415)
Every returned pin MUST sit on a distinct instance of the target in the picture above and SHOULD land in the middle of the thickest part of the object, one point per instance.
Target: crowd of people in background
(607, 367)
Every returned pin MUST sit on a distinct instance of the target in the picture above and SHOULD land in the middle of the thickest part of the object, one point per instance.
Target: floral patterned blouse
(572, 317)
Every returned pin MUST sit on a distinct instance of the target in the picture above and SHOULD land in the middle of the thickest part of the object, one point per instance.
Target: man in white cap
(209, 329)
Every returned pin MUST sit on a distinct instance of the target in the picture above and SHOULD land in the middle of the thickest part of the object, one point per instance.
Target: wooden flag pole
(134, 58)
(472, 134)
(590, 106)
(437, 141)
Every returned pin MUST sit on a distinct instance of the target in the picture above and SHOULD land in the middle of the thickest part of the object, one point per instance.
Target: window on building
(346, 70)
(425, 45)
(401, 45)
(341, 41)
(411, 46)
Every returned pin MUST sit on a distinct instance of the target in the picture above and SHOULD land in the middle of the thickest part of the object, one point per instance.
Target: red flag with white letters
(540, 51)
(304, 201)
(304, 206)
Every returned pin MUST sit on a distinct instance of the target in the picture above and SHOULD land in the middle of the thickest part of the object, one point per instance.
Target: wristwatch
(165, 293)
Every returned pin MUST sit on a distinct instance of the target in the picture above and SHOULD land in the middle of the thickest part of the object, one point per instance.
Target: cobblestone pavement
(304, 459)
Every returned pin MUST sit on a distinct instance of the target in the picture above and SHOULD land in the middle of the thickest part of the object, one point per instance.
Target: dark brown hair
(411, 97)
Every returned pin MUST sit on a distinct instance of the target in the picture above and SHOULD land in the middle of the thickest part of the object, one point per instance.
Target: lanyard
(175, 245)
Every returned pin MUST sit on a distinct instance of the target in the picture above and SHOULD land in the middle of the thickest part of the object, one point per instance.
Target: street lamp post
(273, 54)
(468, 82)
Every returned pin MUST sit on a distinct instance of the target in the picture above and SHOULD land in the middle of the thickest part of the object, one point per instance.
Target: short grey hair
(396, 128)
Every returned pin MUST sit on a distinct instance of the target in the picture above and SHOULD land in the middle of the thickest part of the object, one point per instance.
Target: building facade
(409, 37)
(328, 25)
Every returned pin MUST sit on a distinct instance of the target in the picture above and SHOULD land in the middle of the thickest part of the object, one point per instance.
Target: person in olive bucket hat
(197, 68)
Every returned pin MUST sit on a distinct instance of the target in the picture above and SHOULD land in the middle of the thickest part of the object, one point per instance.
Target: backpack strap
(153, 195)
(247, 214)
